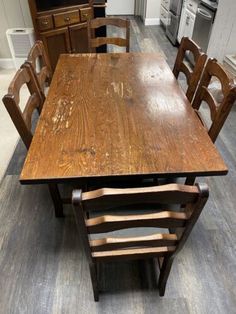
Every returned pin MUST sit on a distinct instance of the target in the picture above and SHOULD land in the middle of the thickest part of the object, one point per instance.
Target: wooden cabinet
(62, 30)
(56, 42)
(79, 38)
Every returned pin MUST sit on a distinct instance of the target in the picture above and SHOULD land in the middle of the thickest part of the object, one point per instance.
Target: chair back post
(80, 218)
(34, 84)
(193, 211)
(127, 36)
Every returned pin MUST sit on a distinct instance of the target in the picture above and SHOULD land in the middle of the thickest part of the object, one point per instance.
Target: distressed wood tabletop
(117, 115)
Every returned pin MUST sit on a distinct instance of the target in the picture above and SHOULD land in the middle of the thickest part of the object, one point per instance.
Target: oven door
(172, 28)
(176, 6)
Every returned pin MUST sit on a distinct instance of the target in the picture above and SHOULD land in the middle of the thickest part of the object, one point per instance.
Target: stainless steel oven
(174, 18)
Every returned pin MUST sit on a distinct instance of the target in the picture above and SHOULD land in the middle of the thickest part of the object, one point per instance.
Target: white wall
(13, 13)
(120, 7)
(152, 12)
(223, 37)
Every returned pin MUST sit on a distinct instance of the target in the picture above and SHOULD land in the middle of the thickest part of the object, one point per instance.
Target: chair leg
(56, 198)
(94, 279)
(190, 180)
(164, 274)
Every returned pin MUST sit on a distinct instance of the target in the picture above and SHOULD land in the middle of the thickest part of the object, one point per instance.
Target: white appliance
(164, 10)
(120, 7)
(187, 20)
(174, 19)
(20, 41)
(230, 63)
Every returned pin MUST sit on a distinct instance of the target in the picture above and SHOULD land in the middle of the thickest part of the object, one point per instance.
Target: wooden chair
(218, 111)
(94, 42)
(162, 246)
(22, 120)
(193, 74)
(40, 64)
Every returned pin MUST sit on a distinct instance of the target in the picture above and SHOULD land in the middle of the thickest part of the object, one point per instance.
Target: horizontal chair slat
(99, 41)
(157, 240)
(108, 223)
(132, 254)
(109, 198)
(98, 22)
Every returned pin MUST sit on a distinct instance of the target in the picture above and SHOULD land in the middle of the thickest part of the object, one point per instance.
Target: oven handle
(204, 14)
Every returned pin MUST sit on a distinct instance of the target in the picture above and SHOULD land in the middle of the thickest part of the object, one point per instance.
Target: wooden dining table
(117, 116)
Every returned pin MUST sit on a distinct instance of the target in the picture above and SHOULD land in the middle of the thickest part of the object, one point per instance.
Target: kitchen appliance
(174, 18)
(187, 20)
(20, 41)
(165, 5)
(203, 23)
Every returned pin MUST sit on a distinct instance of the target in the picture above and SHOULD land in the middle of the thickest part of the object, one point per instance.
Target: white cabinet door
(182, 25)
(120, 7)
(189, 24)
(186, 25)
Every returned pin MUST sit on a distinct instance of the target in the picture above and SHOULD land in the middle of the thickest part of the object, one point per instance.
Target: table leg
(190, 181)
(56, 198)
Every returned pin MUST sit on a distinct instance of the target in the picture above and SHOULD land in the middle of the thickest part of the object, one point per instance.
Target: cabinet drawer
(66, 18)
(45, 22)
(86, 14)
(165, 4)
(164, 16)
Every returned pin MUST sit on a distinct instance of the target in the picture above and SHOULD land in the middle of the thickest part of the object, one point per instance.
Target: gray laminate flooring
(43, 268)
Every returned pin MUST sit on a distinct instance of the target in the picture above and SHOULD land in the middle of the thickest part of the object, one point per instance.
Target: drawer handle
(67, 19)
(85, 15)
(44, 22)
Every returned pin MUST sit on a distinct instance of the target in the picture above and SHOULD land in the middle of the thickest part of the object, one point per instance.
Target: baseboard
(153, 21)
(6, 63)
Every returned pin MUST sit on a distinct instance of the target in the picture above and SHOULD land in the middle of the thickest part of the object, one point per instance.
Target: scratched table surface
(117, 115)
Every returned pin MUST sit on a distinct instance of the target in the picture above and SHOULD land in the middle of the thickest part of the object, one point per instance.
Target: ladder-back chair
(39, 61)
(192, 72)
(163, 246)
(23, 119)
(95, 42)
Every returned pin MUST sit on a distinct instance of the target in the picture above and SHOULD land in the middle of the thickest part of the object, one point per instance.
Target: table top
(109, 115)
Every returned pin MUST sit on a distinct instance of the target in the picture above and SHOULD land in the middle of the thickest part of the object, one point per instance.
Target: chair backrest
(95, 42)
(22, 120)
(160, 244)
(192, 72)
(218, 110)
(39, 61)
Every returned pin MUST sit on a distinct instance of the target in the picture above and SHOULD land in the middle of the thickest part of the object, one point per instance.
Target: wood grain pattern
(133, 120)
